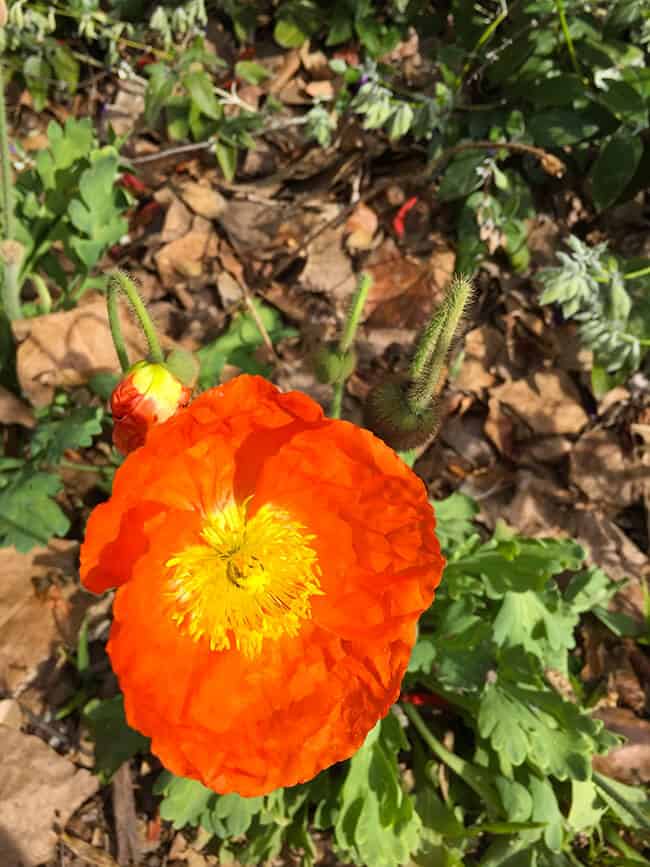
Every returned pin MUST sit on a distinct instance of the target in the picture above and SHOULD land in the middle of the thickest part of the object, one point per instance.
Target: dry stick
(126, 831)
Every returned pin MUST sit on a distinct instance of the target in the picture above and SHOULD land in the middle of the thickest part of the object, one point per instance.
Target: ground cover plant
(235, 237)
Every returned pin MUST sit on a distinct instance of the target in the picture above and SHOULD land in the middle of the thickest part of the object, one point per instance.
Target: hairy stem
(121, 283)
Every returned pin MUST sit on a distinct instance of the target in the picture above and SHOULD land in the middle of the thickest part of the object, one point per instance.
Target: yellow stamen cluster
(250, 579)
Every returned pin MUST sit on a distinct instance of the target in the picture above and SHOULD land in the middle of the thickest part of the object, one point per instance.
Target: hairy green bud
(390, 415)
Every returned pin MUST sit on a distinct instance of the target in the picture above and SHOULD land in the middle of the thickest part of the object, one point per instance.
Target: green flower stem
(473, 776)
(431, 354)
(121, 283)
(6, 191)
(559, 5)
(43, 292)
(642, 272)
(354, 314)
(349, 333)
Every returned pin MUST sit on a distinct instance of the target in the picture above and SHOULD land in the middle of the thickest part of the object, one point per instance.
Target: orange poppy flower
(271, 564)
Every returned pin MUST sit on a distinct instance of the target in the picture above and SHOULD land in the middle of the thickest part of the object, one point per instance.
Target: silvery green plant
(589, 284)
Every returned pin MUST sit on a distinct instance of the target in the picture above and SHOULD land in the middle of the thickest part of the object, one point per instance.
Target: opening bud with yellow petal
(148, 394)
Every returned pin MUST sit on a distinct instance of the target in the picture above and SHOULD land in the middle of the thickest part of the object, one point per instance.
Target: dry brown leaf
(38, 610)
(178, 221)
(547, 401)
(361, 226)
(629, 763)
(328, 267)
(182, 257)
(66, 349)
(483, 349)
(128, 105)
(404, 292)
(15, 411)
(252, 227)
(203, 199)
(320, 90)
(38, 788)
(602, 470)
(88, 853)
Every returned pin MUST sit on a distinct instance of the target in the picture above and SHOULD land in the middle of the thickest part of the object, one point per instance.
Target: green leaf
(159, 89)
(76, 429)
(400, 122)
(115, 741)
(614, 168)
(66, 66)
(184, 801)
(231, 815)
(288, 33)
(461, 176)
(377, 823)
(238, 343)
(454, 519)
(587, 807)
(253, 73)
(559, 90)
(559, 127)
(201, 91)
(227, 157)
(38, 74)
(28, 514)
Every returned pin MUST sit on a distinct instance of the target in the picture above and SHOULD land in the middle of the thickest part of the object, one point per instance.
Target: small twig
(550, 163)
(128, 848)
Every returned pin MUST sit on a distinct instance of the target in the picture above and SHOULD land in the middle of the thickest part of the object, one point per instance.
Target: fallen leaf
(360, 227)
(604, 472)
(178, 221)
(33, 623)
(405, 293)
(320, 90)
(328, 268)
(88, 853)
(203, 199)
(66, 349)
(483, 349)
(128, 104)
(183, 257)
(38, 788)
(252, 227)
(14, 411)
(629, 763)
(547, 401)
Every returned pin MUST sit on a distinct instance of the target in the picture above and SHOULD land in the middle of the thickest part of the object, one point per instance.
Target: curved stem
(43, 292)
(116, 329)
(559, 5)
(120, 282)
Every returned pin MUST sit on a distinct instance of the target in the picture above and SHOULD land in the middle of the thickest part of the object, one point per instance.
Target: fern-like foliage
(589, 285)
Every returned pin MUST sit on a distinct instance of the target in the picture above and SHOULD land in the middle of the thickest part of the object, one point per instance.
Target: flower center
(250, 579)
